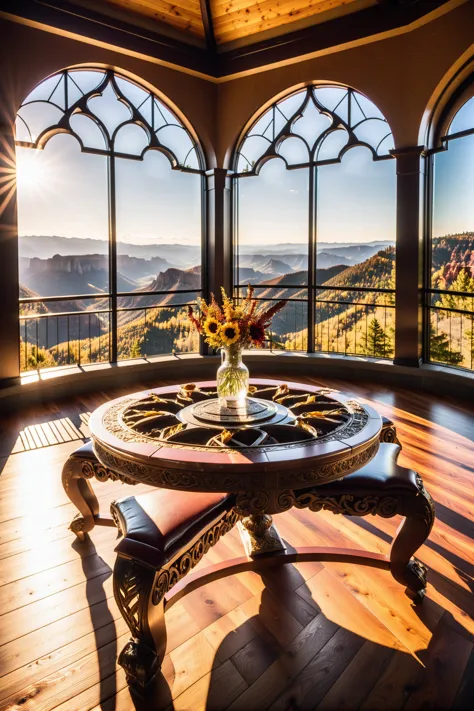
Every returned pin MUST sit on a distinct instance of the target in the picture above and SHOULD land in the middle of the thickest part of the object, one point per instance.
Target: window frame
(137, 119)
(441, 140)
(312, 165)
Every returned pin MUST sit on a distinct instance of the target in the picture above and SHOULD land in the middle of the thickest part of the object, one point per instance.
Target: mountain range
(47, 246)
(279, 271)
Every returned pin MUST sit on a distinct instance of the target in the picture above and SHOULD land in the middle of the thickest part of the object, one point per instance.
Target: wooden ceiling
(223, 38)
(219, 22)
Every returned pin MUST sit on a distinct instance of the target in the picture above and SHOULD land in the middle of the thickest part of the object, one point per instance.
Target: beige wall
(399, 74)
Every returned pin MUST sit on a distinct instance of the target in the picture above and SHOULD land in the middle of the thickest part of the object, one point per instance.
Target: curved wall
(402, 74)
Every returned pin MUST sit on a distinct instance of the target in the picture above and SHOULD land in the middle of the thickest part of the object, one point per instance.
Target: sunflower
(230, 333)
(211, 326)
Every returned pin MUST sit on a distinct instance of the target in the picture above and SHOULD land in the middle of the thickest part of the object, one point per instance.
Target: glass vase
(232, 378)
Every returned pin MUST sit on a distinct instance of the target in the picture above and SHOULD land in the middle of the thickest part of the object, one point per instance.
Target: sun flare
(31, 169)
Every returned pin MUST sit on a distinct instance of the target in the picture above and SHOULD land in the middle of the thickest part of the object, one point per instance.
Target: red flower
(196, 323)
(257, 333)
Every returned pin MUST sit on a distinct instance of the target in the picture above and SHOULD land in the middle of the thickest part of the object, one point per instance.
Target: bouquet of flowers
(242, 325)
(231, 328)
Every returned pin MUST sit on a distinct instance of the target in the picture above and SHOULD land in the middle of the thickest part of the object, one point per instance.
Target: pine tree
(463, 283)
(377, 340)
(440, 350)
(135, 351)
(470, 339)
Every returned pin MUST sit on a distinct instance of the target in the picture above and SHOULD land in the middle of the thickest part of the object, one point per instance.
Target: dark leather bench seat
(161, 523)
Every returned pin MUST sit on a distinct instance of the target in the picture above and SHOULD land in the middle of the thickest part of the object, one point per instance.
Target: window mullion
(113, 258)
(311, 256)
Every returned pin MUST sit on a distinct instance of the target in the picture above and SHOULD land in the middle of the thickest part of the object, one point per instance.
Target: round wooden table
(293, 437)
(293, 446)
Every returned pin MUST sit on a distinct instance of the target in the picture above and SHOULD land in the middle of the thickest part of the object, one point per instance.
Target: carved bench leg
(81, 494)
(389, 433)
(413, 532)
(133, 590)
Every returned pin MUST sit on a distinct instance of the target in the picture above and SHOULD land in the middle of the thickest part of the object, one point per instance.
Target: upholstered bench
(165, 534)
(383, 488)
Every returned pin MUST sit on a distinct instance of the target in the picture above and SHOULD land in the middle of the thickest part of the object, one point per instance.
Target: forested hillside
(347, 320)
(452, 315)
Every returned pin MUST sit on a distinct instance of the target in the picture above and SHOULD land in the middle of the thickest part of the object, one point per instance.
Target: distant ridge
(46, 246)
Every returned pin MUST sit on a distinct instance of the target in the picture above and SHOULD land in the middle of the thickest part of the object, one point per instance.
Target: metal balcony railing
(81, 334)
(450, 328)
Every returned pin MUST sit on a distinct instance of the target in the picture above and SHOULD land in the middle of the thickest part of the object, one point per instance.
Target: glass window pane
(135, 94)
(38, 117)
(294, 151)
(86, 80)
(43, 91)
(252, 149)
(291, 104)
(109, 109)
(177, 140)
(63, 251)
(356, 213)
(88, 131)
(159, 250)
(131, 139)
(273, 225)
(464, 119)
(452, 255)
(453, 188)
(311, 125)
(331, 146)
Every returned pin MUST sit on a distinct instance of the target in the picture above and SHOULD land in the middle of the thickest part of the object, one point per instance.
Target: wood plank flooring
(312, 636)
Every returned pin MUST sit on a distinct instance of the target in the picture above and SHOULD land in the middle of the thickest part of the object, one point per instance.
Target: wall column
(9, 349)
(409, 271)
(219, 241)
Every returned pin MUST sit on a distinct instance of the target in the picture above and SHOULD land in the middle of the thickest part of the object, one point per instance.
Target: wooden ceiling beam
(208, 25)
(268, 14)
(359, 25)
(64, 16)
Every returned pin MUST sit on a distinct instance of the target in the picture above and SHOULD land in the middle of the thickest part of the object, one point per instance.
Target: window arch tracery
(314, 220)
(107, 105)
(113, 163)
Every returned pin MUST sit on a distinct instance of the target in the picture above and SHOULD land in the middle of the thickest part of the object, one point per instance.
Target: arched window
(109, 187)
(314, 221)
(450, 303)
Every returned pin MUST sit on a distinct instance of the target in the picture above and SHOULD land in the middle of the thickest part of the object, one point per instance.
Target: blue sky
(62, 191)
(454, 188)
(356, 202)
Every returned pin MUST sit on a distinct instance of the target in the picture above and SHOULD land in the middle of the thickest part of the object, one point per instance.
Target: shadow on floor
(102, 620)
(263, 665)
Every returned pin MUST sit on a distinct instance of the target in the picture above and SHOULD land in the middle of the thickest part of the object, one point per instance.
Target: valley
(152, 318)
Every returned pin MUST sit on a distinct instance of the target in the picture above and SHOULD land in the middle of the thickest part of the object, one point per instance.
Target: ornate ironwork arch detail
(70, 94)
(444, 105)
(346, 111)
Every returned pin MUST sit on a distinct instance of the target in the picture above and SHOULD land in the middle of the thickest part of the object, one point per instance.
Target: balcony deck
(349, 638)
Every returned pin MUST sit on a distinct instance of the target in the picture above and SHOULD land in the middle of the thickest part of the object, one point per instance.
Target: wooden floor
(329, 636)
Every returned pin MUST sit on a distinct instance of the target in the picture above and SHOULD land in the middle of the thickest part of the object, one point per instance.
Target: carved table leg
(413, 532)
(81, 494)
(259, 535)
(133, 590)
